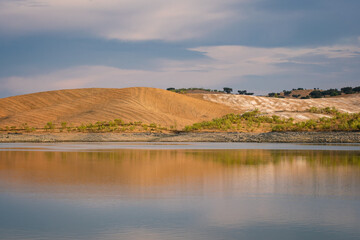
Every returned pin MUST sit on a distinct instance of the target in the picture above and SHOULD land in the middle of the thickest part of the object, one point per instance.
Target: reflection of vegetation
(246, 157)
(326, 158)
(263, 157)
(233, 157)
(146, 168)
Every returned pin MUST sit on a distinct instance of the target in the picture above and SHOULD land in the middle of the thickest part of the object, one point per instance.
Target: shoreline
(268, 137)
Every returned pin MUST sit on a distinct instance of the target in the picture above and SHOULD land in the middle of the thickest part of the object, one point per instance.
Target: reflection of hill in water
(260, 157)
(208, 170)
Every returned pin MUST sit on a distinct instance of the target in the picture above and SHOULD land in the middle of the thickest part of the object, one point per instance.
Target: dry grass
(77, 106)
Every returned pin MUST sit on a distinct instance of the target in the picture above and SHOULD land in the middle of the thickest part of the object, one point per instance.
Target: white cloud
(223, 64)
(119, 19)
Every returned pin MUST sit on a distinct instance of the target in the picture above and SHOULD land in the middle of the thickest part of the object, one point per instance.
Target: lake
(179, 191)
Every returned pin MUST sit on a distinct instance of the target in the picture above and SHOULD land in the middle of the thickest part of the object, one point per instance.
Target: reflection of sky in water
(180, 194)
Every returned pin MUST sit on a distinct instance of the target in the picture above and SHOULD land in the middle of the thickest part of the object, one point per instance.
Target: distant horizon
(235, 91)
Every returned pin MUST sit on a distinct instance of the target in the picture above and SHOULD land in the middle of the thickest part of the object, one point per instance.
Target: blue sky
(258, 45)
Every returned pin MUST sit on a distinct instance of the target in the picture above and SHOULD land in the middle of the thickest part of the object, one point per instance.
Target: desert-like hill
(77, 106)
(151, 105)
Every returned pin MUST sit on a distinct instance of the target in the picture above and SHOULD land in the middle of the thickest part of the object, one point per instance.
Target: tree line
(227, 90)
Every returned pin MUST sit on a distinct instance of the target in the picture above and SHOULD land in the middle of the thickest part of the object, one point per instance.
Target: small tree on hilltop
(228, 90)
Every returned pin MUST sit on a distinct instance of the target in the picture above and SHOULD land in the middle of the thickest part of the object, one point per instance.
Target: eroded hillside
(295, 108)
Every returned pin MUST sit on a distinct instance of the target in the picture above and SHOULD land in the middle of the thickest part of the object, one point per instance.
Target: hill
(294, 108)
(77, 106)
(151, 105)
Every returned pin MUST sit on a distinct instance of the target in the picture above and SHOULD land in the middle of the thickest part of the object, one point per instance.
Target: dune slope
(77, 106)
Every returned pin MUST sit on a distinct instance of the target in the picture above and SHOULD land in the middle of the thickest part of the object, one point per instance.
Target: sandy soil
(295, 108)
(77, 106)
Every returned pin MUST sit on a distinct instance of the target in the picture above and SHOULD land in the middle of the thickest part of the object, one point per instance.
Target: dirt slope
(77, 106)
(295, 108)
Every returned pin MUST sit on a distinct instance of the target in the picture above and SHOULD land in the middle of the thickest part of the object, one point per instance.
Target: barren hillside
(295, 108)
(151, 105)
(77, 106)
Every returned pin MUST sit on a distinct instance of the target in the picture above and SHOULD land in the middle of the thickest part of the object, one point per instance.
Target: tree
(347, 90)
(356, 89)
(170, 89)
(286, 93)
(242, 92)
(331, 92)
(228, 90)
(316, 94)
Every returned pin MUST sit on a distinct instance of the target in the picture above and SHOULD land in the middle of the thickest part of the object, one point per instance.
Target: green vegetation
(228, 90)
(49, 126)
(185, 90)
(245, 92)
(255, 121)
(117, 125)
(247, 122)
(317, 93)
(327, 110)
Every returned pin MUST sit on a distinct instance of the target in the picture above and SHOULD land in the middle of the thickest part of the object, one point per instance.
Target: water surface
(179, 191)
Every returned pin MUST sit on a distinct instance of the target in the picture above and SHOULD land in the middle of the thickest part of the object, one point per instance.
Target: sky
(258, 45)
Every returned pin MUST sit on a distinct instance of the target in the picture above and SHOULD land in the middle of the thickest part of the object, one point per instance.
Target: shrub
(278, 128)
(63, 125)
(49, 125)
(271, 94)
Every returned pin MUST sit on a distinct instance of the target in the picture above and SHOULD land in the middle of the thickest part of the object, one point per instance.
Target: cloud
(279, 23)
(222, 65)
(118, 19)
(207, 22)
(40, 54)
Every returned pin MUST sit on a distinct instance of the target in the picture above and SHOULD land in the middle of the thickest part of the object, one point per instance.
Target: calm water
(179, 191)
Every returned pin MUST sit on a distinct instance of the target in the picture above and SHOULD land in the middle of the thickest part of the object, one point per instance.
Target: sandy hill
(295, 108)
(77, 106)
(151, 105)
